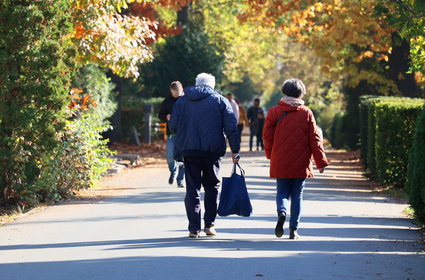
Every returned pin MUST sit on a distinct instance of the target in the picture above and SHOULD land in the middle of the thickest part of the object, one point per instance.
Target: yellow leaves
(318, 7)
(419, 78)
(110, 39)
(371, 54)
(331, 28)
(383, 57)
(367, 54)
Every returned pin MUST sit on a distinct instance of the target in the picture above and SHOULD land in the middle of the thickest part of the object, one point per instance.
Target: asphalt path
(348, 232)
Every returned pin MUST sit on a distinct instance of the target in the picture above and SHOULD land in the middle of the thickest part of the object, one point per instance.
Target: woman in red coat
(291, 139)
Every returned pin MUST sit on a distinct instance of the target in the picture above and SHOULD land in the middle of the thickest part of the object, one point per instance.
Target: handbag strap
(240, 169)
(281, 117)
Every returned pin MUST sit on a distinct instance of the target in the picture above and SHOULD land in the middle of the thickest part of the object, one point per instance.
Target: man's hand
(235, 158)
(168, 117)
(321, 170)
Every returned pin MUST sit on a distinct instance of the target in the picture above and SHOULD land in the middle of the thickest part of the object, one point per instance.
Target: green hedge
(395, 125)
(364, 120)
(342, 132)
(37, 62)
(368, 130)
(336, 136)
(387, 140)
(416, 170)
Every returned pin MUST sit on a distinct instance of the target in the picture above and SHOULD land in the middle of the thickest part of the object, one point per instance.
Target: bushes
(341, 132)
(37, 62)
(94, 82)
(395, 125)
(337, 131)
(45, 153)
(389, 126)
(78, 162)
(416, 171)
(387, 140)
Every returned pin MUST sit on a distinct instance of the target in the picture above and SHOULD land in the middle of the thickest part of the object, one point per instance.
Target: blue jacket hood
(200, 120)
(198, 92)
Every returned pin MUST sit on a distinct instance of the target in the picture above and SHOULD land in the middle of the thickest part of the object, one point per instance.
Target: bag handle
(240, 169)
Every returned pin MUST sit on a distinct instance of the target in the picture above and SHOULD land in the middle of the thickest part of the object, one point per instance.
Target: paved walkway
(348, 232)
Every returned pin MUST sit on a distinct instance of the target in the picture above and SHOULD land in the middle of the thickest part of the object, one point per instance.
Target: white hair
(205, 79)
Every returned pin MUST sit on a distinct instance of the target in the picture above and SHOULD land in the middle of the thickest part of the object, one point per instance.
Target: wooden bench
(133, 158)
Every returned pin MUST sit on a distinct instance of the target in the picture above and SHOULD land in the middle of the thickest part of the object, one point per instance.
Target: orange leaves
(105, 36)
(80, 31)
(147, 10)
(79, 101)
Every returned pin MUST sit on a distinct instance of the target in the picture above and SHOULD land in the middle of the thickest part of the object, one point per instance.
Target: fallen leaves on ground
(150, 154)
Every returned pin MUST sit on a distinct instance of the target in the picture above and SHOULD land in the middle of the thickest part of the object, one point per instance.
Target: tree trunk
(399, 61)
(183, 16)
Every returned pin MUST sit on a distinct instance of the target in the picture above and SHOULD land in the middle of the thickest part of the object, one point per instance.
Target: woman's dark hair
(176, 85)
(294, 88)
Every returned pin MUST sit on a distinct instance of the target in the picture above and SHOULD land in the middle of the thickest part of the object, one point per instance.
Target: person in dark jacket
(176, 91)
(200, 119)
(252, 118)
(259, 129)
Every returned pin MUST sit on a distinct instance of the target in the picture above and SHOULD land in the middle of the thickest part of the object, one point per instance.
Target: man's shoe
(180, 185)
(194, 234)
(210, 231)
(171, 179)
(293, 234)
(279, 226)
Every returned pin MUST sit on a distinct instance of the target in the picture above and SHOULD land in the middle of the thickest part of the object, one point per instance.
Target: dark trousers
(240, 128)
(252, 133)
(201, 171)
(260, 143)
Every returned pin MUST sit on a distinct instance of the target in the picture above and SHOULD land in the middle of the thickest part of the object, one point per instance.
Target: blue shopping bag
(234, 198)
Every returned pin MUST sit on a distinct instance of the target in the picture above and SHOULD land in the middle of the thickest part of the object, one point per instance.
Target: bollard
(147, 109)
(134, 136)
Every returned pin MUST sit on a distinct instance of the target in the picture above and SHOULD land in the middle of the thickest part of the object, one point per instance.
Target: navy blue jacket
(200, 119)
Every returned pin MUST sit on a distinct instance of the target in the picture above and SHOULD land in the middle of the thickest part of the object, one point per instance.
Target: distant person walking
(259, 125)
(200, 119)
(252, 118)
(234, 105)
(291, 139)
(176, 91)
(243, 120)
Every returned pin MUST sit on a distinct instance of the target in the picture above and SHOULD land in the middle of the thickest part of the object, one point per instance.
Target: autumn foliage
(107, 34)
(342, 33)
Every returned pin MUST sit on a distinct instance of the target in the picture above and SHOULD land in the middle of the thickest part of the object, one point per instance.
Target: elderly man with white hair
(200, 119)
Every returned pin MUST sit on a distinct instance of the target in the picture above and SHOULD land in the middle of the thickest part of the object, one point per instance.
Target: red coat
(292, 143)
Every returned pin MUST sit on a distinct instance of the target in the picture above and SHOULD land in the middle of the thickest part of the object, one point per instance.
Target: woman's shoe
(293, 234)
(171, 178)
(279, 226)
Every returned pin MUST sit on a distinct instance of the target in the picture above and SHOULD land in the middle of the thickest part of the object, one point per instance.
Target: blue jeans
(172, 164)
(290, 188)
(201, 171)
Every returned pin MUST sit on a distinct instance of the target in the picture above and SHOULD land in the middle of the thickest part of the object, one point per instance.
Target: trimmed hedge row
(392, 133)
(416, 171)
(387, 127)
